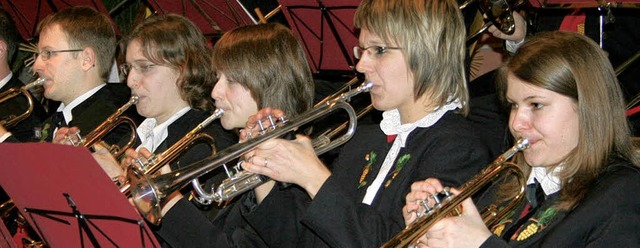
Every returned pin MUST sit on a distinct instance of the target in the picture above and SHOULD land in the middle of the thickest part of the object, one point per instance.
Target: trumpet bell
(146, 196)
(12, 120)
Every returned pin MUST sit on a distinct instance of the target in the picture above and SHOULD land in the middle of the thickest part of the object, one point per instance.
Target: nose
(132, 80)
(519, 121)
(216, 92)
(38, 65)
(361, 65)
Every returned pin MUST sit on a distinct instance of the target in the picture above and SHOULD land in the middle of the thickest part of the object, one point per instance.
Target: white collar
(66, 110)
(550, 182)
(149, 127)
(391, 124)
(5, 80)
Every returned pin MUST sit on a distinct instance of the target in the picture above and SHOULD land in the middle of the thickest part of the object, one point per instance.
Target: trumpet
(114, 120)
(153, 165)
(498, 12)
(149, 193)
(12, 120)
(449, 204)
(325, 137)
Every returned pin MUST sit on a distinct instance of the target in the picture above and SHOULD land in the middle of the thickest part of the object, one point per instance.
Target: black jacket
(607, 216)
(96, 109)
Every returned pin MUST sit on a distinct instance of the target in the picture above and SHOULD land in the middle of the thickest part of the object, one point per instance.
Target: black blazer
(449, 150)
(336, 217)
(96, 109)
(183, 125)
(25, 130)
(607, 216)
(170, 229)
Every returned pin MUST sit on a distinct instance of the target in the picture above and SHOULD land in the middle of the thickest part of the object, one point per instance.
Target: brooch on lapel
(400, 163)
(44, 133)
(371, 159)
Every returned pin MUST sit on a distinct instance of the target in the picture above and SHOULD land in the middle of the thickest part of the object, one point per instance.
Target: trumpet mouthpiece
(134, 99)
(37, 82)
(522, 144)
(367, 86)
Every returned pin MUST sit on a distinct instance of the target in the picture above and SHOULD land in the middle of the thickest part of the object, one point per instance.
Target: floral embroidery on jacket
(536, 224)
(371, 159)
(400, 163)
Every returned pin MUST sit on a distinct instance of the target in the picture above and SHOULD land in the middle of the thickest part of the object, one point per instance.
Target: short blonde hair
(432, 36)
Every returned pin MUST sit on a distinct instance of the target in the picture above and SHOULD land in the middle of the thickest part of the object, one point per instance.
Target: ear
(3, 49)
(88, 57)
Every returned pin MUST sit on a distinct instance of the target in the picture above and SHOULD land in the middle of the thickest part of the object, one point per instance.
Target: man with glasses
(75, 52)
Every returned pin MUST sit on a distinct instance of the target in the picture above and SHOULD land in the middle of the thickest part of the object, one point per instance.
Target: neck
(416, 110)
(4, 70)
(163, 118)
(82, 86)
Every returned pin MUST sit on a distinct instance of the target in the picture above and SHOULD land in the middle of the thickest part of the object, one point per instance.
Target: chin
(226, 124)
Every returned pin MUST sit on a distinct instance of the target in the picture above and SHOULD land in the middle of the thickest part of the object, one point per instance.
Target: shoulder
(453, 129)
(616, 187)
(194, 117)
(12, 83)
(119, 92)
(620, 176)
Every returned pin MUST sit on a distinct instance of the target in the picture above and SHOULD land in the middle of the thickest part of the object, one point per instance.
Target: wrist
(313, 186)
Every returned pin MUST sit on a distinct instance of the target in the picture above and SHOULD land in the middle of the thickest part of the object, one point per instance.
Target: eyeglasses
(46, 54)
(377, 50)
(142, 68)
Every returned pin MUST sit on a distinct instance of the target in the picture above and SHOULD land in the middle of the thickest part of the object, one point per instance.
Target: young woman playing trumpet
(277, 76)
(581, 164)
(413, 54)
(168, 68)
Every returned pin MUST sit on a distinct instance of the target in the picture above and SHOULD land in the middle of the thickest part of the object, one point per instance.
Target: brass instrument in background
(12, 120)
(498, 13)
(490, 216)
(116, 119)
(149, 193)
(153, 165)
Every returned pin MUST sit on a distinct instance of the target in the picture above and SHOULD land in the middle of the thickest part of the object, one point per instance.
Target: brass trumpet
(114, 120)
(12, 120)
(153, 165)
(148, 193)
(449, 204)
(325, 137)
(498, 12)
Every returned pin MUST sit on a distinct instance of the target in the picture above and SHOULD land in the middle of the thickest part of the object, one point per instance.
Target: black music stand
(68, 199)
(326, 30)
(213, 17)
(27, 14)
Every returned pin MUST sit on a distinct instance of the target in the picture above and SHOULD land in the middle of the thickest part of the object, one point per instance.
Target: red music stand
(5, 238)
(27, 14)
(211, 16)
(68, 199)
(325, 29)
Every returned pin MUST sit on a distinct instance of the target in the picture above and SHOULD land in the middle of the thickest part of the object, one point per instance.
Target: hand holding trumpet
(290, 161)
(464, 230)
